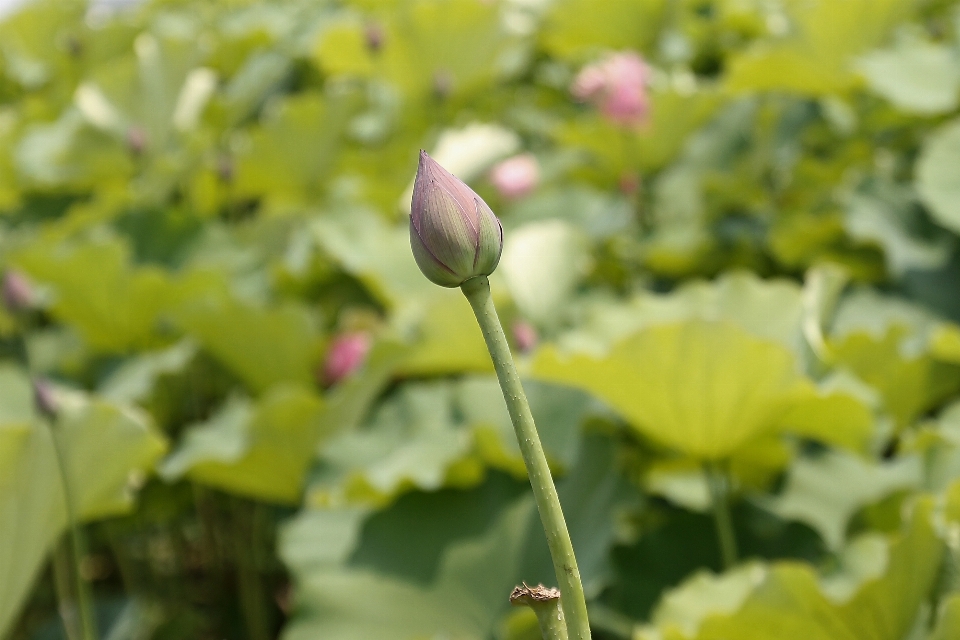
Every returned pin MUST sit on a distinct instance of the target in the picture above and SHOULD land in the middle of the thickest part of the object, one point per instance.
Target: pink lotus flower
(516, 177)
(17, 291)
(525, 336)
(618, 86)
(346, 354)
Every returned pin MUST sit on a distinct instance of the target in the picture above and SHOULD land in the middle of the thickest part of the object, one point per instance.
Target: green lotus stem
(546, 605)
(84, 603)
(718, 480)
(572, 599)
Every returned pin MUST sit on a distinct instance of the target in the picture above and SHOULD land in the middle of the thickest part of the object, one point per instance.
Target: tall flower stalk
(457, 241)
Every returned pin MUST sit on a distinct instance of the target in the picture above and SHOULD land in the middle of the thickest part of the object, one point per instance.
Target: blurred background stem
(246, 518)
(84, 622)
(718, 480)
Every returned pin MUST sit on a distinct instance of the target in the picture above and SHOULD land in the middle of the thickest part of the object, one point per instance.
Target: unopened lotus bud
(454, 234)
(346, 354)
(18, 293)
(136, 140)
(373, 36)
(45, 397)
(516, 177)
(524, 336)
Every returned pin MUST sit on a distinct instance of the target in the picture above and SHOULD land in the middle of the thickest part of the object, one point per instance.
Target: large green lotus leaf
(28, 42)
(908, 385)
(430, 435)
(826, 491)
(70, 154)
(938, 186)
(915, 76)
(413, 440)
(816, 57)
(832, 417)
(948, 624)
(673, 117)
(559, 412)
(448, 339)
(113, 305)
(787, 600)
(262, 450)
(682, 610)
(376, 252)
(445, 575)
(263, 346)
(770, 309)
(134, 380)
(574, 29)
(293, 148)
(889, 220)
(945, 343)
(460, 40)
(705, 389)
(898, 348)
(790, 605)
(105, 446)
(160, 88)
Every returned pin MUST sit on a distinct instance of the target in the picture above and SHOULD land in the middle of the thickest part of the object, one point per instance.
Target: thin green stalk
(572, 599)
(546, 605)
(88, 624)
(63, 581)
(718, 481)
(252, 597)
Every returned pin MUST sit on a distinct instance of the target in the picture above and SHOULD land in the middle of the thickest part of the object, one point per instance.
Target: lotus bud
(45, 397)
(454, 234)
(524, 336)
(347, 353)
(18, 293)
(516, 177)
(373, 36)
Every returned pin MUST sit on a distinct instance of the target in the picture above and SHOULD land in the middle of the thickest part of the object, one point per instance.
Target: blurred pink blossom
(525, 336)
(618, 86)
(346, 354)
(17, 291)
(516, 177)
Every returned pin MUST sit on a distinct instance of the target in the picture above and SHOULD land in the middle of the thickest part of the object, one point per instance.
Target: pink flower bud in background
(524, 335)
(136, 140)
(617, 85)
(346, 354)
(373, 36)
(45, 397)
(18, 293)
(629, 183)
(516, 177)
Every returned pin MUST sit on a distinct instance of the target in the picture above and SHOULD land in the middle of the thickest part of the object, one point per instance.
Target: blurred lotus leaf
(107, 450)
(816, 43)
(705, 389)
(877, 611)
(261, 450)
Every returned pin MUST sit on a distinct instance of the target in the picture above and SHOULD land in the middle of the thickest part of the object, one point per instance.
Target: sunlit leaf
(705, 389)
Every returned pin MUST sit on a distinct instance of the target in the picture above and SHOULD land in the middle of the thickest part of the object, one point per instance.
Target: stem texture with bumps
(572, 599)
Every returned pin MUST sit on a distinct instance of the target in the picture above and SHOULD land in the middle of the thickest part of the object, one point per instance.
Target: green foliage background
(764, 277)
